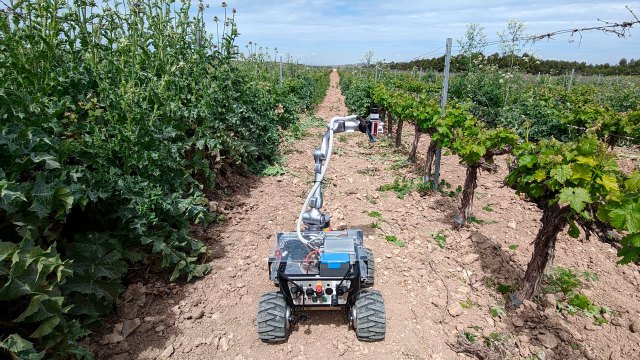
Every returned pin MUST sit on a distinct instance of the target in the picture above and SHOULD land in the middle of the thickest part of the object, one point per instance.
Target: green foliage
(392, 239)
(116, 118)
(579, 175)
(471, 337)
(357, 93)
(496, 311)
(504, 289)
(488, 208)
(578, 303)
(569, 283)
(440, 239)
(563, 280)
(376, 215)
(401, 187)
(467, 304)
(622, 212)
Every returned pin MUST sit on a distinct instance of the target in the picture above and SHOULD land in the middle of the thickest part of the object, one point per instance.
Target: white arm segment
(323, 157)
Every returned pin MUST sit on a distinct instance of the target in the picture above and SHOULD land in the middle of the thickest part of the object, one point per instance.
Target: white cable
(316, 185)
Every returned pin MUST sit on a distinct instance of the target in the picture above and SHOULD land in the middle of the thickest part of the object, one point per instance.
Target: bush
(115, 120)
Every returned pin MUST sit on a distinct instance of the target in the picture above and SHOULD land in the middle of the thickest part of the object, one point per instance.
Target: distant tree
(622, 62)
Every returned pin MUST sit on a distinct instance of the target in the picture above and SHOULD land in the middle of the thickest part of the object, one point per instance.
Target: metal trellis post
(443, 105)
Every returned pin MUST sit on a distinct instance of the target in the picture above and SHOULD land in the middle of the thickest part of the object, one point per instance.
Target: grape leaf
(561, 173)
(609, 182)
(626, 217)
(575, 197)
(574, 232)
(631, 240)
(527, 160)
(633, 182)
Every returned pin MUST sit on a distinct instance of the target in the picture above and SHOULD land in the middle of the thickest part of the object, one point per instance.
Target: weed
(467, 304)
(400, 186)
(493, 339)
(375, 215)
(273, 170)
(440, 238)
(424, 187)
(496, 311)
(375, 225)
(569, 282)
(561, 280)
(392, 239)
(475, 220)
(342, 138)
(488, 207)
(367, 171)
(504, 289)
(399, 164)
(471, 337)
(514, 247)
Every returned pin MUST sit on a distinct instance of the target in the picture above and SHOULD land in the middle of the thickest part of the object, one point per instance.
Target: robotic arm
(314, 219)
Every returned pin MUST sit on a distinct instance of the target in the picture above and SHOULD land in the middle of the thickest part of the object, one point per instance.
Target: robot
(319, 269)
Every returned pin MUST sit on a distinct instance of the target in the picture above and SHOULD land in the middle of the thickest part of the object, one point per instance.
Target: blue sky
(323, 32)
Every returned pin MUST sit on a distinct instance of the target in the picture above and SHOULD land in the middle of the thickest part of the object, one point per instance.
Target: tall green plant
(115, 120)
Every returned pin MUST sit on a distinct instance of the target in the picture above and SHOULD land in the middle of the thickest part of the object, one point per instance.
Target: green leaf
(33, 307)
(633, 182)
(561, 173)
(46, 327)
(42, 198)
(539, 175)
(632, 240)
(586, 160)
(626, 217)
(63, 194)
(580, 301)
(527, 160)
(575, 197)
(609, 182)
(574, 232)
(20, 348)
(50, 160)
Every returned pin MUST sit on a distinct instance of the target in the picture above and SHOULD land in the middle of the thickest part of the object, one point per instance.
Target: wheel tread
(370, 322)
(271, 321)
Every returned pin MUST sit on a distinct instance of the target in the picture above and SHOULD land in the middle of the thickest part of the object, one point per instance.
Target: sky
(324, 32)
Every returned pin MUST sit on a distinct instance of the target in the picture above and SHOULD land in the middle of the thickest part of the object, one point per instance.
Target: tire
(273, 318)
(368, 316)
(370, 265)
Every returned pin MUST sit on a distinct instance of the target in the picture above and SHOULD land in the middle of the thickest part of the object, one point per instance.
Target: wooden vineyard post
(280, 70)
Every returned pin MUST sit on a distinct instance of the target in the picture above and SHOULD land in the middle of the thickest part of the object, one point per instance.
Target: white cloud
(337, 32)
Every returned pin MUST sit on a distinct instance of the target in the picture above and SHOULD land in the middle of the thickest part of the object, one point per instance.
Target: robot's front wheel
(368, 316)
(274, 318)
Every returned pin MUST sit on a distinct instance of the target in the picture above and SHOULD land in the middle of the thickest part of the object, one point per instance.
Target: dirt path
(432, 295)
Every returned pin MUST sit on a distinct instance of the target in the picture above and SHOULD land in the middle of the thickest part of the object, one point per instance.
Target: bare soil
(432, 295)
